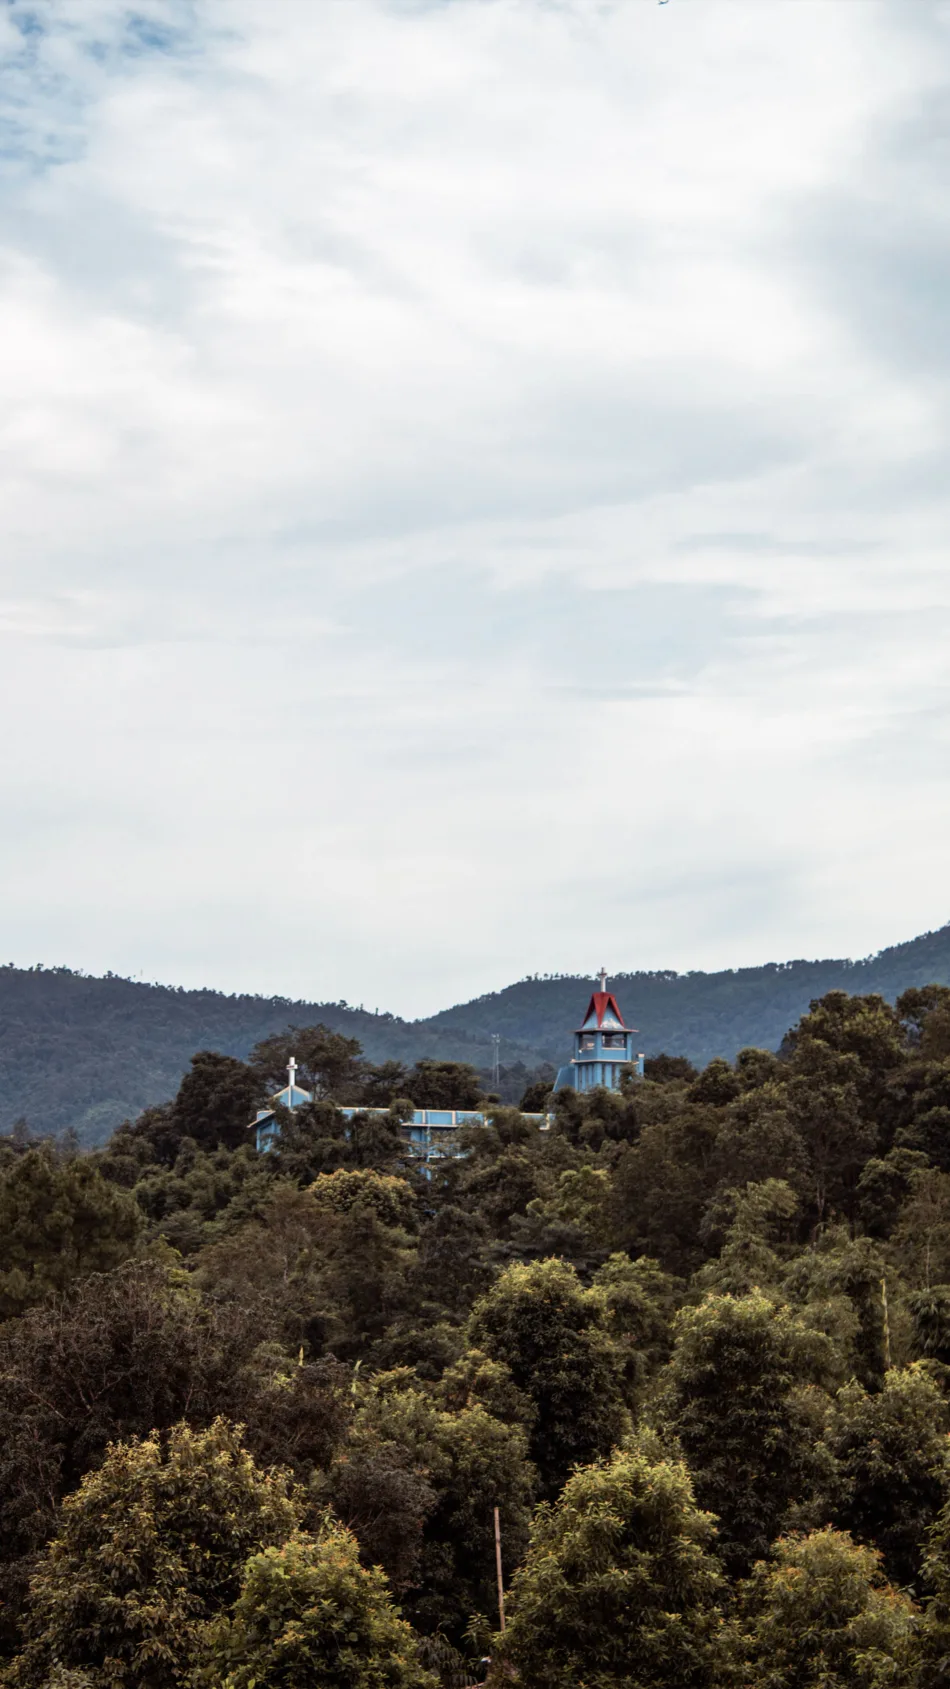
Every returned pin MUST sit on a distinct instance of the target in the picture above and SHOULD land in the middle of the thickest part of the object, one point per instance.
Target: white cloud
(473, 485)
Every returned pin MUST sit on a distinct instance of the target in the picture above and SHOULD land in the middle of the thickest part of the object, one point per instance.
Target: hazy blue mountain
(699, 1015)
(88, 1052)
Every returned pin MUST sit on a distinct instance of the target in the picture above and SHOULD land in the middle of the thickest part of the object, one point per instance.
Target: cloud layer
(473, 479)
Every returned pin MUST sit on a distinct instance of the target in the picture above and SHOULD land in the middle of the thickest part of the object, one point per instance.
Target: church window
(615, 1041)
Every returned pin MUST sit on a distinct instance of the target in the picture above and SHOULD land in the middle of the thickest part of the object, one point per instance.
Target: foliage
(669, 1070)
(735, 1363)
(443, 1084)
(930, 1313)
(892, 1464)
(572, 1222)
(619, 1586)
(752, 1222)
(59, 1220)
(418, 1483)
(749, 1264)
(933, 1666)
(552, 1335)
(922, 1234)
(128, 1353)
(390, 1199)
(308, 1612)
(328, 1061)
(818, 1615)
(150, 1546)
(216, 1101)
(925, 1011)
(639, 1302)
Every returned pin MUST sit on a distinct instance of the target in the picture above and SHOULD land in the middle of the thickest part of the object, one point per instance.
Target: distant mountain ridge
(89, 1052)
(697, 1014)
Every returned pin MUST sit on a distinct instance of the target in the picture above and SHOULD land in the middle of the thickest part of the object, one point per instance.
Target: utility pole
(501, 1585)
(495, 1057)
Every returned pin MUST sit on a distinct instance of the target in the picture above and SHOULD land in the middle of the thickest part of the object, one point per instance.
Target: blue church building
(603, 1046)
(265, 1126)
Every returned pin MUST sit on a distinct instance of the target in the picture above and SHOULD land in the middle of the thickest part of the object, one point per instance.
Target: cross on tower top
(603, 979)
(292, 1073)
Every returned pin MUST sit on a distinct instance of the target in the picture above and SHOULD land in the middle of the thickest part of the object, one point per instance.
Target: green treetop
(59, 1220)
(309, 1614)
(818, 1615)
(551, 1334)
(732, 1378)
(620, 1588)
(150, 1546)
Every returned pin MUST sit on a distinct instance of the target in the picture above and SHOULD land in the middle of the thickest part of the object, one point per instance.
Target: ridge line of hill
(87, 1051)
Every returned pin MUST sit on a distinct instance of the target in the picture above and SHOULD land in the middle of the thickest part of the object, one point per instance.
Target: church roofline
(601, 1002)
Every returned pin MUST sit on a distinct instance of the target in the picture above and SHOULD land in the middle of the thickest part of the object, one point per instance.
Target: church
(603, 1048)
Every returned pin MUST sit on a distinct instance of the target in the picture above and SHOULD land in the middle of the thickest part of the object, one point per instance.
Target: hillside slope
(88, 1053)
(697, 1014)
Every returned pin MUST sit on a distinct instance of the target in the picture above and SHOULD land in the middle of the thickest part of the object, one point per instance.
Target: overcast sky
(475, 492)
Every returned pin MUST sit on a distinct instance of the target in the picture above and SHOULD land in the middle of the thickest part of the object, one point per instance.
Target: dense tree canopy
(552, 1336)
(59, 1219)
(692, 1339)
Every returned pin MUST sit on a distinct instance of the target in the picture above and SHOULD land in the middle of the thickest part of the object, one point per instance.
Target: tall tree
(892, 1465)
(867, 1028)
(663, 1183)
(819, 1615)
(309, 1613)
(444, 1084)
(925, 1011)
(735, 1365)
(824, 1105)
(640, 1301)
(418, 1483)
(928, 1128)
(933, 1669)
(620, 1588)
(216, 1101)
(328, 1062)
(122, 1354)
(551, 1333)
(151, 1545)
(59, 1220)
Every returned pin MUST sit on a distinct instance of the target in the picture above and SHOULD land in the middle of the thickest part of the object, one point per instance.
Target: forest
(691, 1340)
(86, 1053)
(83, 1053)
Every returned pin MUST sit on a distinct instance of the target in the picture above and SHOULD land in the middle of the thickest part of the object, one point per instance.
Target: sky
(474, 490)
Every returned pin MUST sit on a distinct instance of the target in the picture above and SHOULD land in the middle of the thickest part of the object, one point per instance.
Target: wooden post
(501, 1586)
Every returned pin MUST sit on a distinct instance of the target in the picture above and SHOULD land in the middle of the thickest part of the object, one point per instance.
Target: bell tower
(603, 1046)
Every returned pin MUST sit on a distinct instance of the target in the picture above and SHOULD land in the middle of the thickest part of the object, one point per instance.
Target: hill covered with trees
(85, 1053)
(692, 1340)
(699, 1015)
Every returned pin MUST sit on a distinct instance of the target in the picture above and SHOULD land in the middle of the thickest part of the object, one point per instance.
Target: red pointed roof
(600, 1003)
